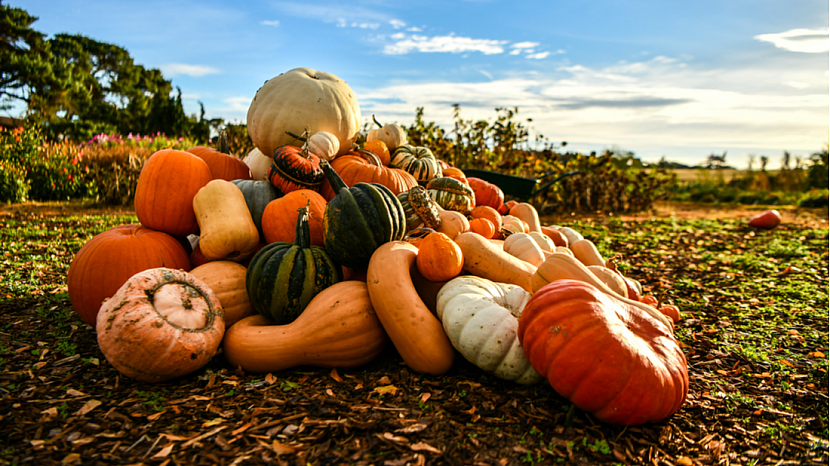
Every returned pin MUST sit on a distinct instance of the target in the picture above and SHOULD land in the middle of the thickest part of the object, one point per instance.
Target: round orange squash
(222, 166)
(355, 167)
(279, 219)
(439, 258)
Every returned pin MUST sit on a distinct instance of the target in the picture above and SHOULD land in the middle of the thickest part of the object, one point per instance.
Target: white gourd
(543, 241)
(524, 247)
(324, 145)
(480, 318)
(610, 278)
(259, 164)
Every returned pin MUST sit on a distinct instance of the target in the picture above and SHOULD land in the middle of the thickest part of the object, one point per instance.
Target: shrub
(814, 198)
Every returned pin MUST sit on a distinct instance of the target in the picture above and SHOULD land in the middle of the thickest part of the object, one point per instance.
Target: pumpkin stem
(612, 262)
(303, 138)
(416, 234)
(303, 234)
(333, 178)
(222, 142)
(376, 121)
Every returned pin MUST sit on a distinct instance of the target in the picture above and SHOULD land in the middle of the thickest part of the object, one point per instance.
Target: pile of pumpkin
(325, 252)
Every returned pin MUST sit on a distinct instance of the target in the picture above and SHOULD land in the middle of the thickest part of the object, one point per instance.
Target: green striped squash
(452, 194)
(283, 277)
(418, 161)
(360, 219)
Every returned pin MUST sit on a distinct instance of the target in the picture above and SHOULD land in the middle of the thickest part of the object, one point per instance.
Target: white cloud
(515, 52)
(445, 44)
(273, 23)
(799, 40)
(525, 45)
(397, 24)
(177, 69)
(538, 56)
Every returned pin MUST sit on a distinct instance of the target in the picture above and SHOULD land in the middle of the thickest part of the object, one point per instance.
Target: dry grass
(696, 174)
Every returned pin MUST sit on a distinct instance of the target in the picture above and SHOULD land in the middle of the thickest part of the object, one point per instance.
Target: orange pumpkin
(359, 167)
(166, 186)
(279, 219)
(456, 173)
(380, 149)
(486, 193)
(295, 168)
(485, 211)
(439, 258)
(227, 281)
(222, 166)
(483, 227)
(110, 258)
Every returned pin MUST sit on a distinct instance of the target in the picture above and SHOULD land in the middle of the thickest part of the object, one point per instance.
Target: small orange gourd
(439, 258)
(483, 227)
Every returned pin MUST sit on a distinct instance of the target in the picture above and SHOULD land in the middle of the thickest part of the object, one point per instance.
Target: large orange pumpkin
(222, 165)
(107, 260)
(166, 186)
(279, 219)
(358, 166)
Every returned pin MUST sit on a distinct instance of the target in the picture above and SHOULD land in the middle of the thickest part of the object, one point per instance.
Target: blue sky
(658, 78)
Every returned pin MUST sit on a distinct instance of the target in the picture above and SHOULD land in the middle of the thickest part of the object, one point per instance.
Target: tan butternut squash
(227, 228)
(416, 333)
(610, 278)
(227, 280)
(587, 253)
(338, 328)
(452, 223)
(523, 246)
(528, 214)
(485, 259)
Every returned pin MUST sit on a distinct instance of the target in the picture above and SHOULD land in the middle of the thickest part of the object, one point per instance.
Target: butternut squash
(452, 223)
(528, 214)
(587, 253)
(558, 238)
(485, 259)
(227, 280)
(417, 334)
(338, 328)
(227, 230)
(611, 278)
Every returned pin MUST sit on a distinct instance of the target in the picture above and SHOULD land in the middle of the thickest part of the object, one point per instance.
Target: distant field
(696, 174)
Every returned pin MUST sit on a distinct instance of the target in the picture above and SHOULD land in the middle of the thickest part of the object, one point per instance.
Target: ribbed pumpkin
(418, 161)
(166, 186)
(295, 168)
(279, 219)
(110, 258)
(419, 209)
(362, 166)
(161, 324)
(258, 194)
(360, 219)
(607, 357)
(486, 193)
(451, 194)
(282, 278)
(222, 165)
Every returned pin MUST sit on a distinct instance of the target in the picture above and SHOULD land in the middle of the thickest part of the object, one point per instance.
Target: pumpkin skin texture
(483, 227)
(227, 281)
(166, 186)
(486, 193)
(381, 150)
(302, 100)
(528, 214)
(480, 318)
(258, 194)
(439, 258)
(295, 168)
(161, 324)
(324, 145)
(486, 259)
(283, 278)
(227, 229)
(279, 219)
(524, 247)
(416, 333)
(452, 223)
(222, 166)
(419, 209)
(358, 220)
(338, 329)
(110, 258)
(418, 161)
(354, 168)
(608, 358)
(259, 164)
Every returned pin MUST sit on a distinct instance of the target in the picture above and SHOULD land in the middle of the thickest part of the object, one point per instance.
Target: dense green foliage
(78, 87)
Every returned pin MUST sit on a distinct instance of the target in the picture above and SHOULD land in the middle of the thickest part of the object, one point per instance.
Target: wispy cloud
(446, 44)
(178, 69)
(799, 40)
(273, 23)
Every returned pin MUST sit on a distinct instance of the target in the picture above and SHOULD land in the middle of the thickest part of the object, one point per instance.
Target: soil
(59, 408)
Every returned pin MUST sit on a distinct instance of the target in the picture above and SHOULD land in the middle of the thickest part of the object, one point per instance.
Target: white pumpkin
(259, 164)
(610, 278)
(392, 135)
(524, 247)
(324, 145)
(543, 241)
(303, 100)
(481, 317)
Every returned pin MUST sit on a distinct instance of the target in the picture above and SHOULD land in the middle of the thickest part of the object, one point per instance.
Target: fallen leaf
(420, 446)
(786, 363)
(270, 379)
(303, 379)
(282, 449)
(73, 392)
(87, 407)
(425, 397)
(51, 412)
(684, 461)
(241, 429)
(153, 417)
(411, 429)
(384, 381)
(71, 458)
(386, 389)
(175, 438)
(393, 438)
(214, 422)
(329, 392)
(335, 375)
(165, 450)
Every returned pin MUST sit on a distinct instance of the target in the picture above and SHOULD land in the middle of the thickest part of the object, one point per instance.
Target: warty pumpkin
(607, 357)
(110, 258)
(419, 209)
(339, 329)
(299, 100)
(227, 229)
(166, 186)
(360, 219)
(283, 278)
(451, 194)
(417, 334)
(480, 318)
(227, 281)
(161, 324)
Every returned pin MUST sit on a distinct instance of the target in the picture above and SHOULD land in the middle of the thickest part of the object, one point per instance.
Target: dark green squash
(419, 161)
(257, 195)
(358, 220)
(282, 278)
